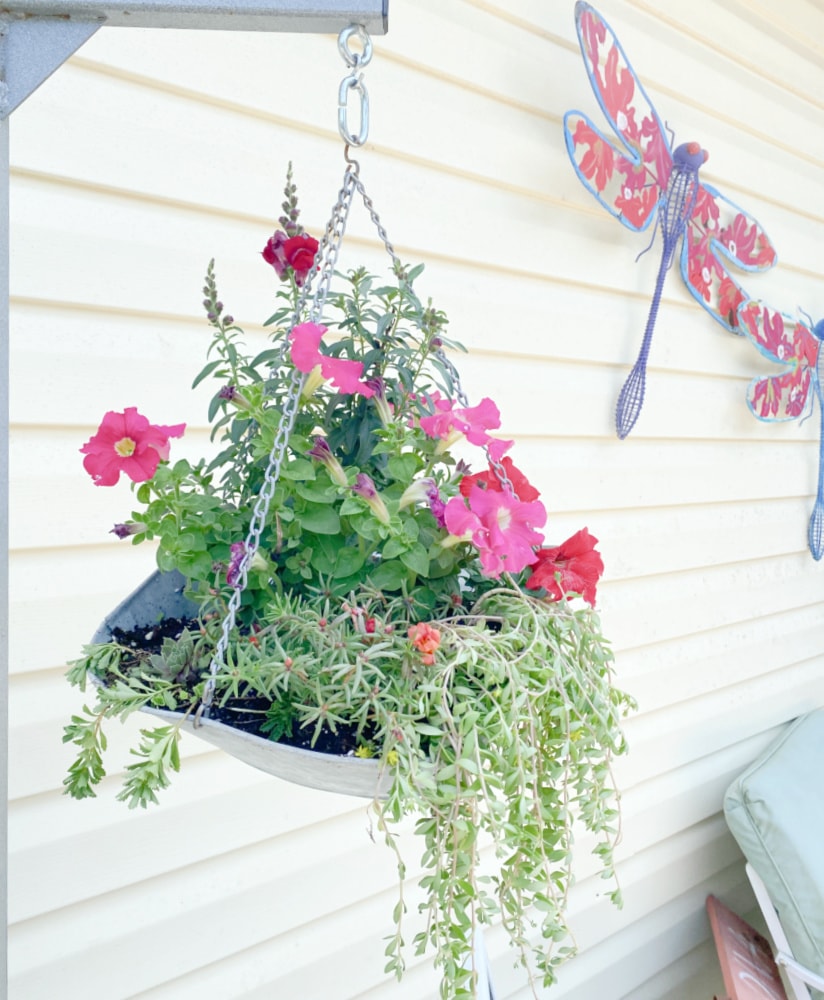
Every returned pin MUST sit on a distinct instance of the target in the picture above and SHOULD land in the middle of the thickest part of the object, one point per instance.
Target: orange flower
(426, 640)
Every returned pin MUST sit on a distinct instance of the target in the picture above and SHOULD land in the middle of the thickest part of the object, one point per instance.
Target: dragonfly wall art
(638, 177)
(790, 394)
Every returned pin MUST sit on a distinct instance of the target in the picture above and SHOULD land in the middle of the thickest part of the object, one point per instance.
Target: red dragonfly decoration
(638, 177)
(791, 394)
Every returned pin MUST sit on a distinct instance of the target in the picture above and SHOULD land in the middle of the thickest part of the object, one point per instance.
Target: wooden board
(747, 964)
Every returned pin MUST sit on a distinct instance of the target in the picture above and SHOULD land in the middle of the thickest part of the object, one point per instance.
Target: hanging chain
(321, 278)
(353, 84)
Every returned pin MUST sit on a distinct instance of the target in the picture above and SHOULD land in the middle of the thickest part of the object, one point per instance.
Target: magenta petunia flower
(306, 356)
(448, 423)
(574, 566)
(127, 442)
(500, 526)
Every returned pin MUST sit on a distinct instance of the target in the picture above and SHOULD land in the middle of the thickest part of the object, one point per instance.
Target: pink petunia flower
(473, 422)
(127, 442)
(574, 566)
(500, 526)
(306, 356)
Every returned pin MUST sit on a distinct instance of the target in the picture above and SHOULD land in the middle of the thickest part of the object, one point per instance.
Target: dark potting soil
(245, 714)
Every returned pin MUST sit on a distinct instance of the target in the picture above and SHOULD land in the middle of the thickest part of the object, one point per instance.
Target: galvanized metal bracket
(31, 49)
(38, 36)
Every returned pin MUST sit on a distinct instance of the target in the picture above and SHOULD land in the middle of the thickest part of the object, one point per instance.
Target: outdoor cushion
(775, 811)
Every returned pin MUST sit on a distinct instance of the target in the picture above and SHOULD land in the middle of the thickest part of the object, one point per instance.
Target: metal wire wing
(621, 183)
(621, 95)
(721, 233)
(789, 342)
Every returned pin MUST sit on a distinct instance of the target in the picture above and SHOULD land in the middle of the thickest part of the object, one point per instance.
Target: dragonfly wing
(622, 97)
(720, 234)
(780, 397)
(618, 181)
(789, 342)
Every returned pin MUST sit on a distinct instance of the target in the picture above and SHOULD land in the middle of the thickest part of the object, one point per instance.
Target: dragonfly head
(689, 156)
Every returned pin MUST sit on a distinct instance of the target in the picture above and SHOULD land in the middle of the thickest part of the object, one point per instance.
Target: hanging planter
(337, 578)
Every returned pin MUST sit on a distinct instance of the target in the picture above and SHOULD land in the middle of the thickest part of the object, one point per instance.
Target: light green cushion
(775, 811)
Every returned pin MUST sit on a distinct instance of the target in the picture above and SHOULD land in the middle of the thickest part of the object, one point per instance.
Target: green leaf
(389, 575)
(403, 467)
(298, 469)
(206, 372)
(320, 519)
(349, 561)
(394, 547)
(416, 559)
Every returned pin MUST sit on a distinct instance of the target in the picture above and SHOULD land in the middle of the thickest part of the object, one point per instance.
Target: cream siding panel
(149, 153)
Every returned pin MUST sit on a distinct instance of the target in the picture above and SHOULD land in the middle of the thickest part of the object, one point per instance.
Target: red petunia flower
(127, 442)
(524, 490)
(573, 567)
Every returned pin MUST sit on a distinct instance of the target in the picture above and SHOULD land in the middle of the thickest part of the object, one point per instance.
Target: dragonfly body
(815, 531)
(674, 212)
(637, 177)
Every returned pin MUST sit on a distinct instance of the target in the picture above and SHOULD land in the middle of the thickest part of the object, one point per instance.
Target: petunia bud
(129, 528)
(416, 492)
(365, 488)
(323, 453)
(232, 394)
(384, 407)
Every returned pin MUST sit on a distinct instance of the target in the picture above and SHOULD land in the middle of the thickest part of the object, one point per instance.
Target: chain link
(321, 278)
(353, 84)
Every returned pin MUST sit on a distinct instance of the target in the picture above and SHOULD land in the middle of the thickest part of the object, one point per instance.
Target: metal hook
(355, 60)
(350, 161)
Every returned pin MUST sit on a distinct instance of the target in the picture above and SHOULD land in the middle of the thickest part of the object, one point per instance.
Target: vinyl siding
(152, 151)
